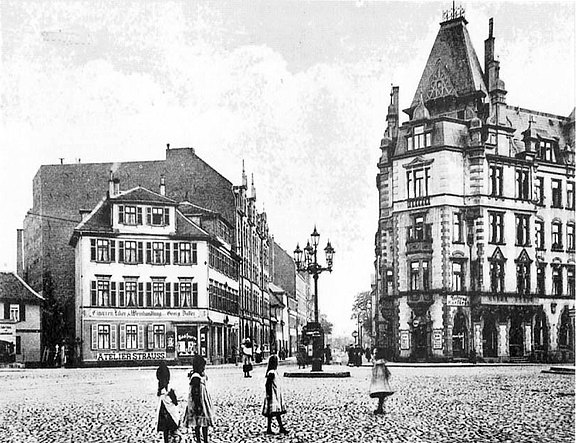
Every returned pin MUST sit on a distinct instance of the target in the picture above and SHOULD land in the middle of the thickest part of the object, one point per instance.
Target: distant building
(20, 324)
(155, 280)
(475, 248)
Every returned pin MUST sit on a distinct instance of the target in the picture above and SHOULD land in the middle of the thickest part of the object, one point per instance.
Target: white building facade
(155, 280)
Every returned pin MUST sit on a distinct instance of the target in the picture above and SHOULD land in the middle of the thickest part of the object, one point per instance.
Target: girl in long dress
(273, 403)
(379, 385)
(199, 414)
(168, 414)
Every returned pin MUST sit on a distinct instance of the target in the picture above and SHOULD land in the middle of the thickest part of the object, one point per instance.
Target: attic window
(547, 151)
(419, 138)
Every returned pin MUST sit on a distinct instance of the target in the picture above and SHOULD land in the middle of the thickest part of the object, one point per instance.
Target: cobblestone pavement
(479, 404)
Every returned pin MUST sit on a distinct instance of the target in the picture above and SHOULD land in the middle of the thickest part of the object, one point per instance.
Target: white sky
(299, 90)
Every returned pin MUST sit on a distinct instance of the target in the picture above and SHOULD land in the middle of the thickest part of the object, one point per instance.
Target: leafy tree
(360, 309)
(326, 325)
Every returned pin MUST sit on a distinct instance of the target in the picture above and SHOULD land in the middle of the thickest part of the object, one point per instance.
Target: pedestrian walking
(199, 413)
(167, 414)
(301, 357)
(247, 357)
(273, 403)
(379, 385)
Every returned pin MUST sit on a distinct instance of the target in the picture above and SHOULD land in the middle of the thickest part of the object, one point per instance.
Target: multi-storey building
(475, 241)
(253, 245)
(155, 280)
(61, 192)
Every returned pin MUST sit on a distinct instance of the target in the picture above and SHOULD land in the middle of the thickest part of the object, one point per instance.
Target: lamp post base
(316, 365)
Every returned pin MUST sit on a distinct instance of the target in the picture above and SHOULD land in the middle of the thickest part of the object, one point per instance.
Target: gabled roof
(12, 287)
(142, 195)
(99, 220)
(186, 227)
(452, 68)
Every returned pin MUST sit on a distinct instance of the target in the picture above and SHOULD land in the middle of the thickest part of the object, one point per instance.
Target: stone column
(477, 331)
(503, 340)
(527, 339)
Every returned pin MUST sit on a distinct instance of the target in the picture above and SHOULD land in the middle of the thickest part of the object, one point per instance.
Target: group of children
(199, 412)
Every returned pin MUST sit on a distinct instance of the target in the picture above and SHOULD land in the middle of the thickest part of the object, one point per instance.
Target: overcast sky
(299, 90)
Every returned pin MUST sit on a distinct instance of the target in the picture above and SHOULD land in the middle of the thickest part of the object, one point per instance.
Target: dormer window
(419, 138)
(158, 216)
(547, 151)
(129, 215)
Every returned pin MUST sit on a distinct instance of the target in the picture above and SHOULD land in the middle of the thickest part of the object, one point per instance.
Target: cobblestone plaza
(448, 404)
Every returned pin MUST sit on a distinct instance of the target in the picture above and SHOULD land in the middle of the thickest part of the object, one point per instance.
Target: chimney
(488, 51)
(84, 213)
(113, 185)
(20, 252)
(162, 185)
(392, 117)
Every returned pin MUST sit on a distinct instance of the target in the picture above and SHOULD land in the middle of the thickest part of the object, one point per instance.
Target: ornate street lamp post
(307, 261)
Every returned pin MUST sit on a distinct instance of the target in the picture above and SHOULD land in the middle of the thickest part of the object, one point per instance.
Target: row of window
(131, 337)
(132, 215)
(496, 233)
(154, 294)
(523, 270)
(132, 252)
(420, 277)
(223, 298)
(523, 187)
(223, 263)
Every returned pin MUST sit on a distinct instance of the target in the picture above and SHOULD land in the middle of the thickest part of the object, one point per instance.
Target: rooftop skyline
(298, 90)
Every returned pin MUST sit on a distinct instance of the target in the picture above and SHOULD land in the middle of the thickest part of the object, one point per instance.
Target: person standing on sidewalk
(168, 414)
(379, 385)
(247, 352)
(199, 414)
(273, 403)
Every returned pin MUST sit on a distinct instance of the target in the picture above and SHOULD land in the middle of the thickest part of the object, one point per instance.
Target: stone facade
(475, 240)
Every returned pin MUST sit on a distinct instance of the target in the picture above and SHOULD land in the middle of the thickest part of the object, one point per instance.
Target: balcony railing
(418, 201)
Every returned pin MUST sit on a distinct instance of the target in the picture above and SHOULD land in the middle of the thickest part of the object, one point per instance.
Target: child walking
(273, 403)
(199, 410)
(379, 385)
(168, 415)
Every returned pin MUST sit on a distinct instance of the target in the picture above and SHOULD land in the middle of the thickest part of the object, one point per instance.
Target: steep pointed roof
(452, 68)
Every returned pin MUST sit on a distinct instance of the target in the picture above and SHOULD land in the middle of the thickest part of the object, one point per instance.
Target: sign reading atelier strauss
(155, 314)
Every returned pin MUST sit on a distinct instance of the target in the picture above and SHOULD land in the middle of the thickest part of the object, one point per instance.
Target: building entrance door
(420, 341)
(459, 336)
(516, 343)
(490, 337)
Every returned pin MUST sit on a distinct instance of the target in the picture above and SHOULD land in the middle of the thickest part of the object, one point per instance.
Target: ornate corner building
(475, 247)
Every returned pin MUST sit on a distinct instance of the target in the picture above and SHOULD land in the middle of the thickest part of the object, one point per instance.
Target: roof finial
(244, 178)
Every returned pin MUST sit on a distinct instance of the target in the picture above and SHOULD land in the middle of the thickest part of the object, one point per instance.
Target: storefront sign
(120, 356)
(187, 339)
(437, 339)
(457, 300)
(404, 340)
(146, 314)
